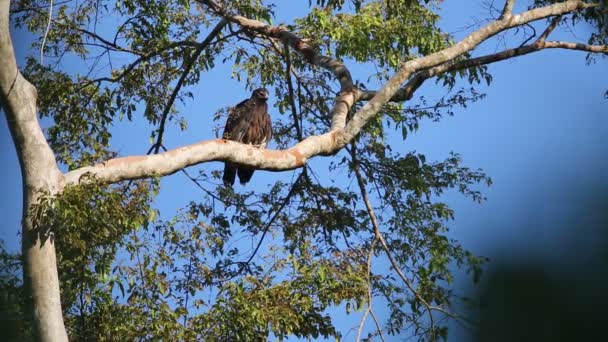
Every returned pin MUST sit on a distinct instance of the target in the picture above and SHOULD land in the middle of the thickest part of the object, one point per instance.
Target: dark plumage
(248, 123)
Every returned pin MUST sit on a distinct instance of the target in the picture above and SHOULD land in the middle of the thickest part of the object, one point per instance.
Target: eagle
(247, 123)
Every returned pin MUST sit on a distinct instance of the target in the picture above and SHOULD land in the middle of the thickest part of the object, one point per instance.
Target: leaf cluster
(248, 265)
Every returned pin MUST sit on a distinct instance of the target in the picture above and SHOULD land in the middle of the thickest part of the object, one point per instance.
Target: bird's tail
(229, 174)
(244, 174)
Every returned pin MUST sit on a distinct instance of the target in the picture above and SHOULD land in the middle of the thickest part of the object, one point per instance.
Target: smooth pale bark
(40, 175)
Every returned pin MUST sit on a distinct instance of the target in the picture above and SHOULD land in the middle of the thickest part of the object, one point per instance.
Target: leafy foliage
(13, 321)
(128, 275)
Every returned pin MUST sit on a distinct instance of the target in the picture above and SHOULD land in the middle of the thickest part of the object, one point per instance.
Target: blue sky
(541, 133)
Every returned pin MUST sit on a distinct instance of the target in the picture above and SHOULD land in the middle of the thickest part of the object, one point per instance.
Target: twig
(46, 32)
(371, 312)
(531, 36)
(292, 102)
(216, 30)
(369, 295)
(507, 11)
(379, 237)
(274, 217)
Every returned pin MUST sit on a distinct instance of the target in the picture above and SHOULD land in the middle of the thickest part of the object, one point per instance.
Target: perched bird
(247, 123)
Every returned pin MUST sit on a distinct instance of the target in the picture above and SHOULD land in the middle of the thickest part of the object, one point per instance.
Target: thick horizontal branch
(166, 163)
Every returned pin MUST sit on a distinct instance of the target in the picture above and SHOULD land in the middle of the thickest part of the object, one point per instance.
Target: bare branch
(408, 68)
(369, 310)
(507, 11)
(550, 28)
(161, 130)
(369, 290)
(46, 32)
(379, 237)
(291, 97)
(576, 46)
(40, 173)
(345, 98)
(378, 328)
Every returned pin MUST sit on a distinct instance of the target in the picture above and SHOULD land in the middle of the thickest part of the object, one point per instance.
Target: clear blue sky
(541, 132)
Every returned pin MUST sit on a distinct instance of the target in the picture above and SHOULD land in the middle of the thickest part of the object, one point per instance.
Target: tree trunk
(40, 175)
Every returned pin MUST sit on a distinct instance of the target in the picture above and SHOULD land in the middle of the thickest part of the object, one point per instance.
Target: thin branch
(123, 25)
(379, 237)
(216, 30)
(575, 46)
(138, 61)
(274, 217)
(378, 328)
(530, 37)
(72, 26)
(369, 296)
(344, 100)
(543, 37)
(46, 32)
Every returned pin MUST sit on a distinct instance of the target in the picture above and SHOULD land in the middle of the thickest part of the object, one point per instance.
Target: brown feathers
(248, 123)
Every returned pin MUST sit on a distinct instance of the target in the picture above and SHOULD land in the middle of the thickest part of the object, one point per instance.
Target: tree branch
(575, 46)
(169, 162)
(369, 310)
(269, 223)
(409, 68)
(550, 28)
(346, 96)
(378, 235)
(292, 103)
(405, 93)
(161, 129)
(139, 60)
(507, 11)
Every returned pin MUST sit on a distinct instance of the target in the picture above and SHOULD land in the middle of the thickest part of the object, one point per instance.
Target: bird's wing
(237, 122)
(265, 128)
(268, 130)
